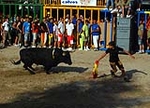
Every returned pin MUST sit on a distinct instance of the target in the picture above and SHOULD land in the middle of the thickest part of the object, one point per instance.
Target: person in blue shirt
(95, 37)
(84, 36)
(74, 20)
(80, 25)
(26, 31)
(50, 29)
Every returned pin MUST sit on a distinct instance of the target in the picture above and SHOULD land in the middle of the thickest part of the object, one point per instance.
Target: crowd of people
(144, 35)
(124, 8)
(65, 33)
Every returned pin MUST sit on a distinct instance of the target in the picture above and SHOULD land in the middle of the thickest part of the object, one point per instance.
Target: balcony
(58, 3)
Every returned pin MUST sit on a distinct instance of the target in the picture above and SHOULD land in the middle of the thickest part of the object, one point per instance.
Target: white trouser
(34, 36)
(95, 40)
(45, 37)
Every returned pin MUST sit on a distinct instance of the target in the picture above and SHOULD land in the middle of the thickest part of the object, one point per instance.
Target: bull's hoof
(47, 72)
(32, 73)
(126, 79)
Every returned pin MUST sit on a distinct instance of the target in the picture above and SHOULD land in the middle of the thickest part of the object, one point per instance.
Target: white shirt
(6, 26)
(61, 26)
(69, 28)
(55, 29)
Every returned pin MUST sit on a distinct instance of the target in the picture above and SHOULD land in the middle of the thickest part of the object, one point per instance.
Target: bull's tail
(15, 62)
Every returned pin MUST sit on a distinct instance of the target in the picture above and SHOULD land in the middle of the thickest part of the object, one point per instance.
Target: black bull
(43, 56)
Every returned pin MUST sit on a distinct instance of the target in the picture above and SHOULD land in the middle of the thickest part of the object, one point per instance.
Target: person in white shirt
(61, 31)
(5, 31)
(69, 31)
(55, 34)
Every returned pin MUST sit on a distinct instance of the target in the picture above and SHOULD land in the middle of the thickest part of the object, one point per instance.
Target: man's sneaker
(16, 45)
(138, 9)
(120, 10)
(80, 49)
(50, 46)
(3, 46)
(113, 74)
(140, 52)
(95, 49)
(128, 16)
(33, 46)
(118, 14)
(86, 49)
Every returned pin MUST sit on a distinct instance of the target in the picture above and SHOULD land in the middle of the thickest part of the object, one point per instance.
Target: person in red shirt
(148, 32)
(35, 30)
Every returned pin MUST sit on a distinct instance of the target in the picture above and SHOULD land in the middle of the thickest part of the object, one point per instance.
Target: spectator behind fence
(50, 29)
(148, 32)
(140, 36)
(26, 31)
(44, 31)
(35, 31)
(70, 36)
(61, 31)
(80, 25)
(126, 8)
(74, 21)
(55, 34)
(19, 21)
(14, 34)
(5, 31)
(83, 35)
(96, 31)
(118, 8)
